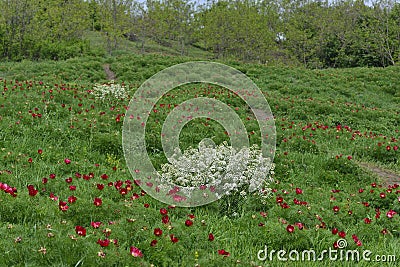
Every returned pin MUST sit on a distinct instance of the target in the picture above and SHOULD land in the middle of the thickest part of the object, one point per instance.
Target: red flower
(63, 206)
(153, 243)
(67, 161)
(157, 232)
(95, 224)
(382, 195)
(285, 206)
(223, 252)
(367, 220)
(395, 148)
(100, 186)
(97, 201)
(388, 148)
(80, 230)
(290, 228)
(72, 199)
(163, 211)
(191, 216)
(188, 222)
(174, 239)
(68, 180)
(299, 225)
(103, 243)
(335, 208)
(384, 231)
(165, 219)
(135, 252)
(52, 176)
(72, 187)
(32, 190)
(335, 245)
(299, 191)
(349, 157)
(279, 199)
(391, 213)
(104, 176)
(342, 234)
(146, 205)
(210, 237)
(335, 231)
(40, 151)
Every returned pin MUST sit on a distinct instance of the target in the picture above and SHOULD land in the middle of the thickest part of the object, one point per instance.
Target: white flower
(109, 91)
(222, 167)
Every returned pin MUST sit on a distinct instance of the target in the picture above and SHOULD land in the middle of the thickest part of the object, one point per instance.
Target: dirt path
(109, 73)
(388, 177)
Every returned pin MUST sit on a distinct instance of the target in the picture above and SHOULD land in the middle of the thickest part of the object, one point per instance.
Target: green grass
(308, 106)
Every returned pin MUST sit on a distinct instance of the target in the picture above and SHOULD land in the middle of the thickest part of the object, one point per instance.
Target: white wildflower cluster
(221, 167)
(109, 91)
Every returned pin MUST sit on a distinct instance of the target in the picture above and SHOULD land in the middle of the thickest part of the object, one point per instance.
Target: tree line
(315, 34)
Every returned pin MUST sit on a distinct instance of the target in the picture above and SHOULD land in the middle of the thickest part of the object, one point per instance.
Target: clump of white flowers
(222, 167)
(109, 91)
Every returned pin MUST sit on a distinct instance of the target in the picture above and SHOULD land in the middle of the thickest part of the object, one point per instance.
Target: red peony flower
(210, 237)
(335, 245)
(174, 239)
(67, 161)
(80, 230)
(290, 228)
(299, 225)
(188, 222)
(391, 213)
(163, 211)
(32, 190)
(97, 202)
(223, 252)
(95, 224)
(63, 206)
(104, 242)
(335, 208)
(72, 199)
(342, 234)
(165, 219)
(135, 252)
(299, 191)
(100, 186)
(157, 232)
(335, 231)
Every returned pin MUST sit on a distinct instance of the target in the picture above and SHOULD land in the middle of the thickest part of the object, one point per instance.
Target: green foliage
(76, 125)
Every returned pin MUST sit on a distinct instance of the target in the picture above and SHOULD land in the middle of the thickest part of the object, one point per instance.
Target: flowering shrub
(232, 173)
(109, 91)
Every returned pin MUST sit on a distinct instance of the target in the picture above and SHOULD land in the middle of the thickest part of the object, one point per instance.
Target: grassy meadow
(69, 199)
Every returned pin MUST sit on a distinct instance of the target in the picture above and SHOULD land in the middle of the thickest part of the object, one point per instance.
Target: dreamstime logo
(339, 254)
(142, 104)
